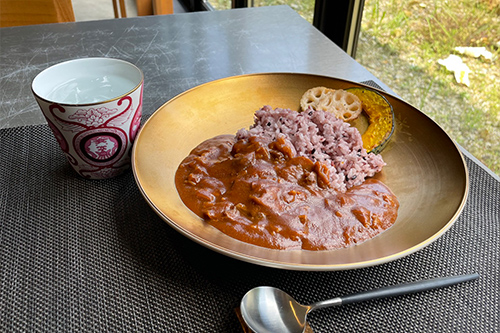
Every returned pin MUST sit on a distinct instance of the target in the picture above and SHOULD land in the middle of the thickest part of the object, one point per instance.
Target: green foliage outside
(401, 43)
(304, 8)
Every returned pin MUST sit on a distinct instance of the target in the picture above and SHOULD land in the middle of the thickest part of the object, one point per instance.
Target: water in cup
(91, 89)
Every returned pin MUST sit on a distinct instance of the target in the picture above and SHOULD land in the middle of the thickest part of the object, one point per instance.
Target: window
(405, 44)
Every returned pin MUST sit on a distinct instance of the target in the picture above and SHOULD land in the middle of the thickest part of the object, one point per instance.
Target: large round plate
(425, 169)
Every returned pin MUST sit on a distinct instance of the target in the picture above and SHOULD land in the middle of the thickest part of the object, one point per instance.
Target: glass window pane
(405, 43)
(221, 4)
(304, 7)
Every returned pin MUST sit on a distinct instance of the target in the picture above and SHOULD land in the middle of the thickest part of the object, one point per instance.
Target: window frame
(340, 21)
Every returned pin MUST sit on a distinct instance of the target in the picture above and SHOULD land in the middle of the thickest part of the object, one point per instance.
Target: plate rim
(301, 266)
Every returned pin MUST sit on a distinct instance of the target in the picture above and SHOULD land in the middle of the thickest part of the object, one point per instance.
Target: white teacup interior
(87, 81)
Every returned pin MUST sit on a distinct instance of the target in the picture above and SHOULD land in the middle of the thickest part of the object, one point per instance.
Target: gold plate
(425, 169)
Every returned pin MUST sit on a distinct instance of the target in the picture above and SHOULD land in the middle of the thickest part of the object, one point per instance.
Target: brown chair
(144, 7)
(28, 12)
(119, 8)
(162, 7)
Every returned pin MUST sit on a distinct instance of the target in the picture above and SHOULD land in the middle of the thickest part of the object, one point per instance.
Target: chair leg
(115, 9)
(119, 12)
(123, 10)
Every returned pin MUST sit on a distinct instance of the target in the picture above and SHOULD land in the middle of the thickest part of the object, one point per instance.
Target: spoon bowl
(268, 309)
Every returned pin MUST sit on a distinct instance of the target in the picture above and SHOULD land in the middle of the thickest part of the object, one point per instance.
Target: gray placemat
(80, 255)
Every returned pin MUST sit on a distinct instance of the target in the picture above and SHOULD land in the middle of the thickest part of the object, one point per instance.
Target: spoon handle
(407, 288)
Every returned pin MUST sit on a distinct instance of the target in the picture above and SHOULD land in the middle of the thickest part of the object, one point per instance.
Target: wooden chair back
(28, 12)
(144, 7)
(154, 7)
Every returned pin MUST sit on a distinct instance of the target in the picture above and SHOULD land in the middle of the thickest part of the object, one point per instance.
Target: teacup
(94, 108)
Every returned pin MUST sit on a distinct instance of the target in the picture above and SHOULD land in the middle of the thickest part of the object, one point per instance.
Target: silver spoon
(268, 309)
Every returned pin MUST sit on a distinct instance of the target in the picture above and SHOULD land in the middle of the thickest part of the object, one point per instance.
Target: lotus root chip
(313, 96)
(343, 104)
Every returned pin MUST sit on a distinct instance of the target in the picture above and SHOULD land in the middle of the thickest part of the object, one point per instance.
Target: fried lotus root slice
(314, 96)
(343, 104)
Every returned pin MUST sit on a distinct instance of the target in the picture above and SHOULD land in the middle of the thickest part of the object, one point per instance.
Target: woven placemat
(80, 255)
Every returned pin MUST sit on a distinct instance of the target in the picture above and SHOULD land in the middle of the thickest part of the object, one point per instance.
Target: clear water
(86, 90)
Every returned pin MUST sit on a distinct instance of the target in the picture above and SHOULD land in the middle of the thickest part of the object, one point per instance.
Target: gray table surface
(178, 52)
(175, 52)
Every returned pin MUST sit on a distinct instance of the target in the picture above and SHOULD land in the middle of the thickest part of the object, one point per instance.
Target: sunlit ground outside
(407, 43)
(304, 8)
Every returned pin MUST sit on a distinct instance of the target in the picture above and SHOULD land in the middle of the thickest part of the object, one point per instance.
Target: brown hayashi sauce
(264, 195)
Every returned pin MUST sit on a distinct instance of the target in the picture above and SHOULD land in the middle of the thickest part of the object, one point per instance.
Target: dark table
(79, 255)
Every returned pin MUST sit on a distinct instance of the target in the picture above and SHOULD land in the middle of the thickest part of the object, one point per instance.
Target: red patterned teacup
(94, 108)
